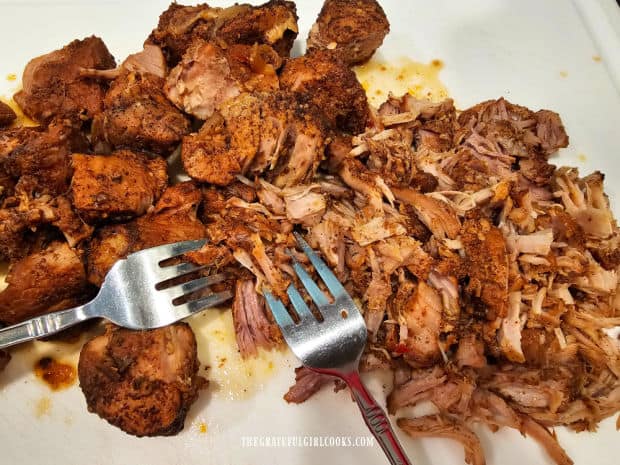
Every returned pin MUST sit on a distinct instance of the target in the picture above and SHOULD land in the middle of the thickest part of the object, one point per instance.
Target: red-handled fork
(333, 346)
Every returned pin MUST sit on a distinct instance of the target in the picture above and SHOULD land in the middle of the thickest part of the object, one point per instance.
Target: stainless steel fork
(333, 346)
(132, 296)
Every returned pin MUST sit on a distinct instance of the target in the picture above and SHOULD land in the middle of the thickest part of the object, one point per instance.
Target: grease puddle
(399, 77)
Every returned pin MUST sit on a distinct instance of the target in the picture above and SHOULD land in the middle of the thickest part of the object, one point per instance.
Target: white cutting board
(535, 53)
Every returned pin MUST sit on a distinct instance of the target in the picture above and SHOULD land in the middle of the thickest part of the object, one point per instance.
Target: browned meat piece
(320, 78)
(273, 24)
(442, 426)
(25, 228)
(50, 280)
(352, 28)
(253, 329)
(172, 219)
(143, 382)
(39, 160)
(116, 187)
(253, 133)
(550, 131)
(487, 266)
(7, 115)
(209, 75)
(420, 320)
(150, 60)
(138, 116)
(52, 85)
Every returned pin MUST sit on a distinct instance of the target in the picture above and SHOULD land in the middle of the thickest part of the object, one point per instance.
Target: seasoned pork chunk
(172, 219)
(352, 28)
(7, 115)
(38, 160)
(46, 281)
(322, 79)
(143, 382)
(53, 86)
(273, 24)
(254, 133)
(138, 116)
(117, 186)
(209, 75)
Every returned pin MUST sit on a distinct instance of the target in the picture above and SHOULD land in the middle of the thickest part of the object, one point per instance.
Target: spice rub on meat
(256, 133)
(143, 382)
(138, 116)
(488, 278)
(273, 23)
(172, 219)
(325, 81)
(117, 186)
(209, 75)
(46, 281)
(53, 85)
(7, 115)
(353, 29)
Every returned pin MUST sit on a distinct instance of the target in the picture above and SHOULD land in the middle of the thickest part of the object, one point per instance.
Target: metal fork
(131, 296)
(333, 346)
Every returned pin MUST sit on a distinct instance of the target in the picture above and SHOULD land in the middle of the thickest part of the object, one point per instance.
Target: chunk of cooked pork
(209, 75)
(39, 160)
(352, 28)
(254, 133)
(172, 219)
(322, 79)
(7, 115)
(117, 186)
(53, 86)
(143, 382)
(273, 23)
(46, 281)
(138, 116)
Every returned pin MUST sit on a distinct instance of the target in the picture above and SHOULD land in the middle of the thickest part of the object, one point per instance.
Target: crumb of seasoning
(581, 157)
(437, 63)
(56, 375)
(43, 407)
(597, 58)
(11, 77)
(378, 92)
(222, 362)
(563, 74)
(202, 427)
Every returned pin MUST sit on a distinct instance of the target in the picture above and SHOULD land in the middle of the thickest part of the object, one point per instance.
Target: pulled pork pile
(487, 277)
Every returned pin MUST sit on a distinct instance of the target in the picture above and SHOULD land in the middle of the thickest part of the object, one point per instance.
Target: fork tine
(194, 285)
(175, 271)
(197, 305)
(298, 303)
(179, 248)
(313, 290)
(322, 269)
(282, 317)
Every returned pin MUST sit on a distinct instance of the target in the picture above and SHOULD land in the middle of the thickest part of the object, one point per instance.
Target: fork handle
(376, 420)
(44, 325)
